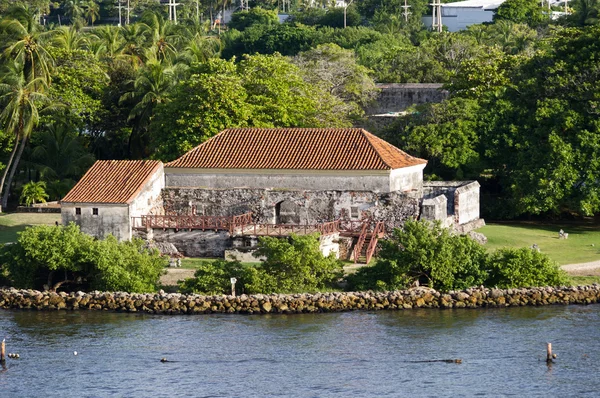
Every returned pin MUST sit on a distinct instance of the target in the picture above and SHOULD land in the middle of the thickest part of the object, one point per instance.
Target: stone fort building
(346, 184)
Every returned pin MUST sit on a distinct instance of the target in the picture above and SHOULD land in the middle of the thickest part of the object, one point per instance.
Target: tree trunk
(13, 170)
(10, 160)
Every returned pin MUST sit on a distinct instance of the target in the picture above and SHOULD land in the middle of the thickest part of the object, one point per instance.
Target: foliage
(294, 265)
(286, 39)
(211, 99)
(426, 253)
(255, 16)
(529, 12)
(33, 192)
(509, 268)
(260, 91)
(64, 257)
(212, 278)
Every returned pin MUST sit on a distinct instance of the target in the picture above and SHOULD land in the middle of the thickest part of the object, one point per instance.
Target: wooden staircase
(367, 242)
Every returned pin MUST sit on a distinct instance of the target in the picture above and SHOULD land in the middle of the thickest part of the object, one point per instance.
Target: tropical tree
(60, 157)
(68, 38)
(74, 9)
(21, 99)
(336, 71)
(33, 192)
(150, 88)
(25, 43)
(92, 11)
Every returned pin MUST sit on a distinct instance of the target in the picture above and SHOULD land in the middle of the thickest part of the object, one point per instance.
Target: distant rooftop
(112, 181)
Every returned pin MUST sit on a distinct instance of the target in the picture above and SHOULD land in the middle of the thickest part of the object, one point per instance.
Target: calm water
(358, 354)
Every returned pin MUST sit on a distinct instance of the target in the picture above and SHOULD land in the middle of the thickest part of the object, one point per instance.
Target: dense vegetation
(290, 265)
(420, 254)
(57, 257)
(75, 87)
(432, 256)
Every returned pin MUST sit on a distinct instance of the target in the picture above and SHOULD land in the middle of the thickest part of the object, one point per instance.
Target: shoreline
(181, 304)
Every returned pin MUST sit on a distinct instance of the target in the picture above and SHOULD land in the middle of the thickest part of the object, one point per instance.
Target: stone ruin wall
(397, 97)
(301, 206)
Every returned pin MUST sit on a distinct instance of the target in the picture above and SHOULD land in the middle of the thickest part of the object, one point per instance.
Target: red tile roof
(296, 149)
(112, 181)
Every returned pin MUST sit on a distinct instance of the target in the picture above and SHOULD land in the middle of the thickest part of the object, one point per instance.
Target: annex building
(346, 184)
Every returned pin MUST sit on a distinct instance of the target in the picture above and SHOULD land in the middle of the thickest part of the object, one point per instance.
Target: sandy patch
(176, 274)
(583, 269)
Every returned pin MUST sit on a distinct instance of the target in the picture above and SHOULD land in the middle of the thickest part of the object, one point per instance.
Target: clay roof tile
(112, 181)
(296, 149)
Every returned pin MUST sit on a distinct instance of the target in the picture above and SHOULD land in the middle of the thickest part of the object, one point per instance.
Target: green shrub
(213, 278)
(508, 268)
(426, 253)
(295, 264)
(54, 257)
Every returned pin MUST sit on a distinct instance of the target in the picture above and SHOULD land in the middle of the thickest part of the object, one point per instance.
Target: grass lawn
(11, 223)
(583, 244)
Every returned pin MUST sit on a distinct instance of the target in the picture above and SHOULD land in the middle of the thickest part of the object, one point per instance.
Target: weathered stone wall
(462, 198)
(111, 219)
(175, 303)
(398, 97)
(293, 179)
(149, 199)
(195, 243)
(311, 206)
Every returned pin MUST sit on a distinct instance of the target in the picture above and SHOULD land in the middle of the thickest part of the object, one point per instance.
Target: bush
(54, 257)
(256, 16)
(213, 278)
(293, 265)
(508, 268)
(426, 253)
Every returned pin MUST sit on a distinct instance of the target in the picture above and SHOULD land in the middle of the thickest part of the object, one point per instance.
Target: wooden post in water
(2, 352)
(549, 355)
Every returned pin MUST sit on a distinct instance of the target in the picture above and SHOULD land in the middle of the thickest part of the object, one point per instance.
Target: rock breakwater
(175, 303)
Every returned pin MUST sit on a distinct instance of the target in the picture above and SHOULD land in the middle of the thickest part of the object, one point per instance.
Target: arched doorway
(287, 212)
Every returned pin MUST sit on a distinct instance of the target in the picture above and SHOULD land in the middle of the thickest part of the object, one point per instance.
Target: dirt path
(583, 269)
(176, 274)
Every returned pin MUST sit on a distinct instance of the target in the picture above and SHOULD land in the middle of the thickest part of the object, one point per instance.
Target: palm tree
(74, 9)
(200, 48)
(60, 157)
(149, 89)
(69, 38)
(33, 192)
(92, 11)
(21, 98)
(111, 39)
(160, 33)
(134, 37)
(25, 43)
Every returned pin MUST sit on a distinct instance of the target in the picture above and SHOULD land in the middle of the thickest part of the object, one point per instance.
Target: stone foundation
(175, 303)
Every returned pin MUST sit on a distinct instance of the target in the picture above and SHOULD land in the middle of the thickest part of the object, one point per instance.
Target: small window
(78, 211)
(354, 212)
(248, 243)
(95, 211)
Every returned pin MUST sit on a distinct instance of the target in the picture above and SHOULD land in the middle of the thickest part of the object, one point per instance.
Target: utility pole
(436, 20)
(127, 13)
(173, 10)
(119, 6)
(406, 13)
(346, 5)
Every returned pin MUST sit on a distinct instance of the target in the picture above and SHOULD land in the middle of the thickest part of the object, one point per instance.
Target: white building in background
(457, 16)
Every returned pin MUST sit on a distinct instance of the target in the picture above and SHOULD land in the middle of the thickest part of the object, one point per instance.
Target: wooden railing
(324, 229)
(361, 241)
(378, 232)
(217, 223)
